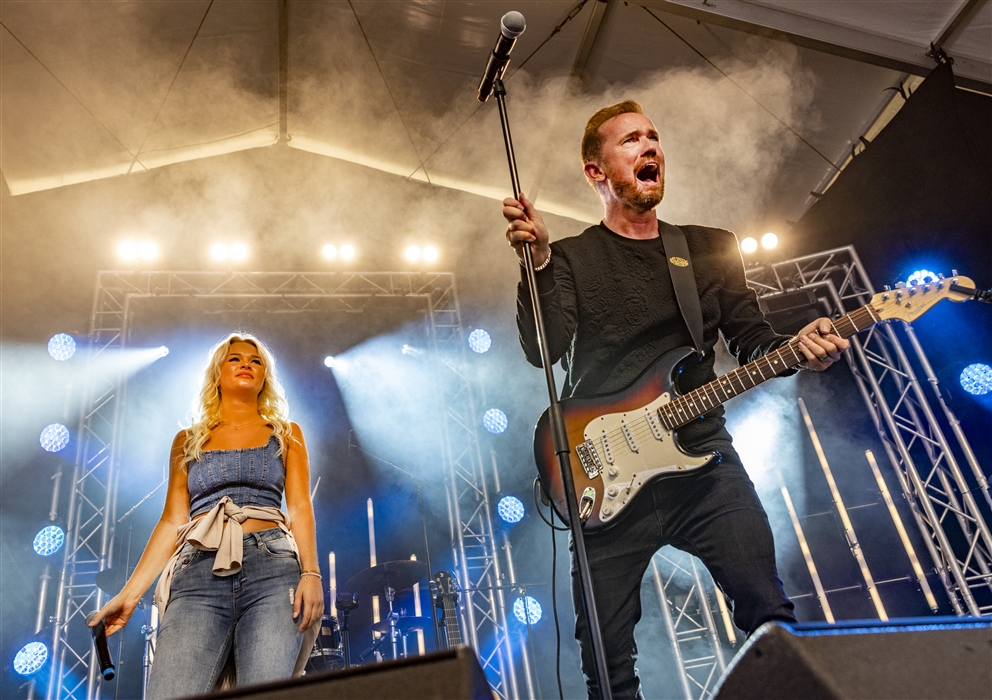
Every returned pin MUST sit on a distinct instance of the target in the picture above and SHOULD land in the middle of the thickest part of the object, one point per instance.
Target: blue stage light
(922, 277)
(527, 610)
(54, 437)
(61, 347)
(977, 379)
(495, 421)
(479, 340)
(510, 508)
(31, 657)
(49, 540)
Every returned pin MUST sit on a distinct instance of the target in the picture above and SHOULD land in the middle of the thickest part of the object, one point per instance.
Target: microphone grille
(512, 25)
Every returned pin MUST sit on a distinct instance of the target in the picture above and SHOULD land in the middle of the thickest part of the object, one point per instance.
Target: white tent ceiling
(776, 91)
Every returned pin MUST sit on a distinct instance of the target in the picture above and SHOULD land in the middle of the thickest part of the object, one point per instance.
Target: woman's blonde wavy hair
(205, 414)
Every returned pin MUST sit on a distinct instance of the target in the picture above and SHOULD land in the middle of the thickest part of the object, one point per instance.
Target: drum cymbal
(403, 624)
(398, 575)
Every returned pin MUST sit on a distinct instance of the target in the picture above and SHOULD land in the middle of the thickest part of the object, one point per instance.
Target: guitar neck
(695, 403)
(451, 623)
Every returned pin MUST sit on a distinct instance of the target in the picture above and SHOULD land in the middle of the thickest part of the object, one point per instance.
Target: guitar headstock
(909, 302)
(447, 584)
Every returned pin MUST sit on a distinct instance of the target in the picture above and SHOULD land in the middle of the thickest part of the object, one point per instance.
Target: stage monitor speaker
(439, 676)
(920, 658)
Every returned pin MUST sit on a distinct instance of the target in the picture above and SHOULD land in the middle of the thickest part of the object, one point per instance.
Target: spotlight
(61, 347)
(510, 509)
(127, 250)
(412, 351)
(31, 657)
(976, 379)
(239, 251)
(430, 253)
(769, 241)
(495, 421)
(49, 540)
(527, 610)
(330, 251)
(329, 361)
(749, 245)
(479, 341)
(218, 251)
(347, 252)
(54, 437)
(921, 277)
(413, 253)
(163, 351)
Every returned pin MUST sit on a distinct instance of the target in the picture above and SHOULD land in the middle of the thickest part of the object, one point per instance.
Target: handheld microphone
(511, 26)
(99, 633)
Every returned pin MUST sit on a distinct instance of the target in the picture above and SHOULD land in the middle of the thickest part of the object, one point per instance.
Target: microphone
(99, 633)
(511, 26)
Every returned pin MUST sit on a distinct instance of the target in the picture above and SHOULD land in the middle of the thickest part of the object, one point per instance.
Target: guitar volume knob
(613, 491)
(613, 472)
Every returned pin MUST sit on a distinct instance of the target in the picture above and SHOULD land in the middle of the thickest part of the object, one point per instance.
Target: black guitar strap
(684, 281)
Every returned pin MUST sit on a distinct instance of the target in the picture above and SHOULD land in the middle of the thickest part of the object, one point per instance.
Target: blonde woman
(240, 579)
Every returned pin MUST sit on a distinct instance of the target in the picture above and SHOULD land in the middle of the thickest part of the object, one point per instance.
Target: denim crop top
(255, 476)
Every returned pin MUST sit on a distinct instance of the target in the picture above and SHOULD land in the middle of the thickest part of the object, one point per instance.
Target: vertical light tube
(852, 538)
(375, 598)
(418, 611)
(728, 624)
(332, 581)
(821, 595)
(910, 551)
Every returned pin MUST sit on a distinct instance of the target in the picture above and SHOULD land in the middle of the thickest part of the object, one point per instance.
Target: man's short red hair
(592, 140)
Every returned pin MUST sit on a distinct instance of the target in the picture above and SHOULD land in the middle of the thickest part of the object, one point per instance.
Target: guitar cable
(538, 500)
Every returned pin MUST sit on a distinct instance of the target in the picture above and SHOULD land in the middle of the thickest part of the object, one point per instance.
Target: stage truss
(948, 504)
(92, 508)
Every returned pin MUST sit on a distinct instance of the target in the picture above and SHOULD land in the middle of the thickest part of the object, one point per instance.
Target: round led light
(239, 251)
(54, 437)
(31, 657)
(218, 251)
(61, 347)
(527, 610)
(329, 361)
(127, 250)
(510, 509)
(976, 379)
(330, 251)
(769, 241)
(749, 245)
(922, 277)
(147, 250)
(495, 421)
(479, 340)
(347, 252)
(430, 253)
(49, 540)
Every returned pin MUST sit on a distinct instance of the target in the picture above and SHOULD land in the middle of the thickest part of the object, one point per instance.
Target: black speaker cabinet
(444, 675)
(920, 658)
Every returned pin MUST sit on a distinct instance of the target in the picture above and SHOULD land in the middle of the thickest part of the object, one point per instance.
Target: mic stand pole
(558, 430)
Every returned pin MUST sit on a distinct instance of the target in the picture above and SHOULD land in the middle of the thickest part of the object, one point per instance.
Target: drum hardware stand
(558, 430)
(419, 484)
(346, 602)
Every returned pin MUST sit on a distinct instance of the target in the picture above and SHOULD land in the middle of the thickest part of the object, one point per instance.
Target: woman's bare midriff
(250, 525)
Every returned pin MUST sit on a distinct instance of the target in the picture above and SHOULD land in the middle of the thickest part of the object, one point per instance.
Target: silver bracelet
(541, 266)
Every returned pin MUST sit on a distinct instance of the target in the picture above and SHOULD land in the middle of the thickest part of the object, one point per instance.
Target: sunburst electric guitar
(619, 442)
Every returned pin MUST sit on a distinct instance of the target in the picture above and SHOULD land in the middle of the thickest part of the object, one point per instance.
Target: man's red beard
(627, 190)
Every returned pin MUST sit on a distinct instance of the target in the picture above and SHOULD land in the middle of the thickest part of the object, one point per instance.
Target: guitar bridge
(589, 459)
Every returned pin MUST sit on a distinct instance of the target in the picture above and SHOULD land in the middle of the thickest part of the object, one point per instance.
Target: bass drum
(327, 653)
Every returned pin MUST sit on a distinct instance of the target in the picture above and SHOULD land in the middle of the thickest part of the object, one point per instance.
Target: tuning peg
(940, 275)
(954, 273)
(886, 288)
(913, 283)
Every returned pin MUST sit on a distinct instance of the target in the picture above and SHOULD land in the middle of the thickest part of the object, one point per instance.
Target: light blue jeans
(208, 617)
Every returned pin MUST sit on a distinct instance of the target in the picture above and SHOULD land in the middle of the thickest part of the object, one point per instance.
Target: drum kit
(331, 651)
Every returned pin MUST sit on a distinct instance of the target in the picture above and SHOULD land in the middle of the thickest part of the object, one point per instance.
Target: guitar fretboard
(695, 403)
(451, 623)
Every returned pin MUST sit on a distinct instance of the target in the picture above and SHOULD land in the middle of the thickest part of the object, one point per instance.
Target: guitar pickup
(589, 459)
(629, 437)
(654, 424)
(607, 448)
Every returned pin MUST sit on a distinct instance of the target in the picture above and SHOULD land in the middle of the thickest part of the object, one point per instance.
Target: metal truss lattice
(92, 504)
(912, 422)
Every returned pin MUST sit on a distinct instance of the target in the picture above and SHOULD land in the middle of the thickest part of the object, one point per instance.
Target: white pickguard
(614, 437)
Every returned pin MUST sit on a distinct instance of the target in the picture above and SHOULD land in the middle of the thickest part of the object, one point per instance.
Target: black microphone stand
(558, 430)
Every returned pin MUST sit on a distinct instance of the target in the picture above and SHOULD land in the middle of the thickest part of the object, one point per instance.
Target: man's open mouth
(648, 172)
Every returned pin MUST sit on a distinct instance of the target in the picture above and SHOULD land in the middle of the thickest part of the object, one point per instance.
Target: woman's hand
(308, 604)
(116, 613)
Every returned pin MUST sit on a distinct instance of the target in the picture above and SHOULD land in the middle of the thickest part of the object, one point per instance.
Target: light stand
(558, 431)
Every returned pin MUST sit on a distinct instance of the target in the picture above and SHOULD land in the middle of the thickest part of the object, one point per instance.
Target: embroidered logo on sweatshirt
(678, 262)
